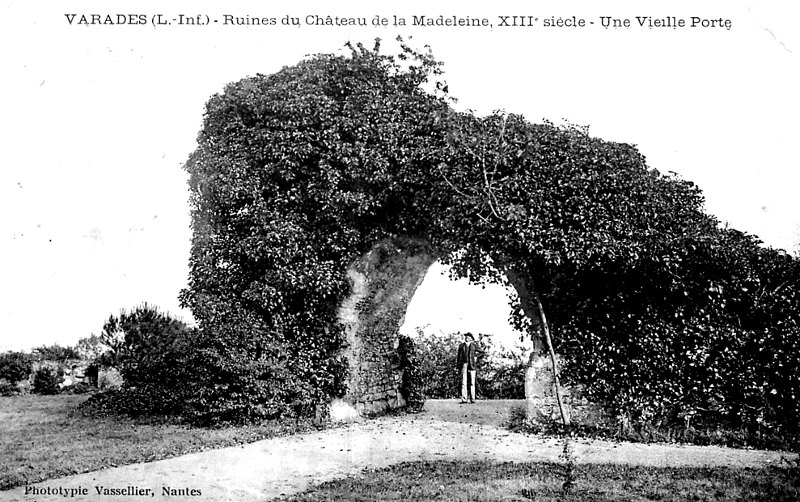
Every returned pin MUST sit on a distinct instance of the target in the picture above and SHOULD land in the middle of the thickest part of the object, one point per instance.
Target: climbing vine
(412, 385)
(299, 172)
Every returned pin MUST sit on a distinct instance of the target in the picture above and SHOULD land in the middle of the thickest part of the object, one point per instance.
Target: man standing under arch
(467, 366)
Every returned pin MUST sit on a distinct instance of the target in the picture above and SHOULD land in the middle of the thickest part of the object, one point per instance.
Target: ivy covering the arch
(298, 172)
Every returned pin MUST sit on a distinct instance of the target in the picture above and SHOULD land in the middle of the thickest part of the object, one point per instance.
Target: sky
(98, 120)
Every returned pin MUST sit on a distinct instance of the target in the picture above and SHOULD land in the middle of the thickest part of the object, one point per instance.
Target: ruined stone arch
(302, 181)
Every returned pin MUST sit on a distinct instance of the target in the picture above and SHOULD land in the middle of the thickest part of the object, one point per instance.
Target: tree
(90, 348)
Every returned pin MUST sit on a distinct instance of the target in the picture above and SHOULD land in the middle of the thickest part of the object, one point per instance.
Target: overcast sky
(98, 120)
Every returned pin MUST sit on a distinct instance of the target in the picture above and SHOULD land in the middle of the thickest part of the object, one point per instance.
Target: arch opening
(386, 287)
(444, 304)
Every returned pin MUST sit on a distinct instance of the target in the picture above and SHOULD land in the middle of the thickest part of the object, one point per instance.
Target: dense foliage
(90, 348)
(500, 375)
(438, 372)
(295, 174)
(8, 389)
(152, 351)
(149, 345)
(715, 339)
(55, 352)
(15, 366)
(412, 387)
(662, 314)
(46, 380)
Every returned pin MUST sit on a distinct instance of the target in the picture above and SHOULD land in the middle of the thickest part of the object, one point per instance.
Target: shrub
(150, 346)
(412, 386)
(102, 403)
(134, 402)
(9, 389)
(15, 366)
(158, 362)
(500, 375)
(78, 388)
(46, 380)
(503, 376)
(437, 364)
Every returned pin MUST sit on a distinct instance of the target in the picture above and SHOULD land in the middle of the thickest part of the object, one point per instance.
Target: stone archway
(383, 282)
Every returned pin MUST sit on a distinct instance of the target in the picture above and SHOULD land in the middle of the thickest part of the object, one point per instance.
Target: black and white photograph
(351, 251)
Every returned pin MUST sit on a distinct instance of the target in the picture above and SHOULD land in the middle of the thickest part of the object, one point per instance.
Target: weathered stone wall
(541, 403)
(383, 282)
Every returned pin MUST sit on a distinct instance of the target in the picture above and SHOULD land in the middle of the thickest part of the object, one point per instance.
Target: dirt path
(269, 468)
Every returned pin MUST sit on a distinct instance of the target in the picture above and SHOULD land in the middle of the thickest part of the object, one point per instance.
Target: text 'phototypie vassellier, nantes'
(100, 491)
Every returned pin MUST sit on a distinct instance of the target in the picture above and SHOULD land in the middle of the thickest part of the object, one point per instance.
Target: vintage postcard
(286, 192)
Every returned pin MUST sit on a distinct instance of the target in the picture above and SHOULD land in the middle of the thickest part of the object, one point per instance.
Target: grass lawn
(45, 437)
(484, 481)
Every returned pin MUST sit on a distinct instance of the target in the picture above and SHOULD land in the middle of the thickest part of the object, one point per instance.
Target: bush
(46, 380)
(9, 389)
(78, 388)
(150, 346)
(503, 376)
(15, 366)
(134, 402)
(157, 362)
(437, 364)
(500, 375)
(412, 386)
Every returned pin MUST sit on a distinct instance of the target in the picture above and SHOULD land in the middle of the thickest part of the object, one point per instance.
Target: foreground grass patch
(485, 481)
(45, 437)
(710, 434)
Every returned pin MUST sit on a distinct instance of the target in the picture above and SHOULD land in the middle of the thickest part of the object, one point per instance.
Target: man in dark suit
(466, 365)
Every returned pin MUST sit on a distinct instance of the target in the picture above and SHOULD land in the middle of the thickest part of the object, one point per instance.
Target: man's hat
(470, 336)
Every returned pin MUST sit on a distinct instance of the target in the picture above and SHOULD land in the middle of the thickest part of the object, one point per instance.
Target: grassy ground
(45, 437)
(606, 427)
(485, 481)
